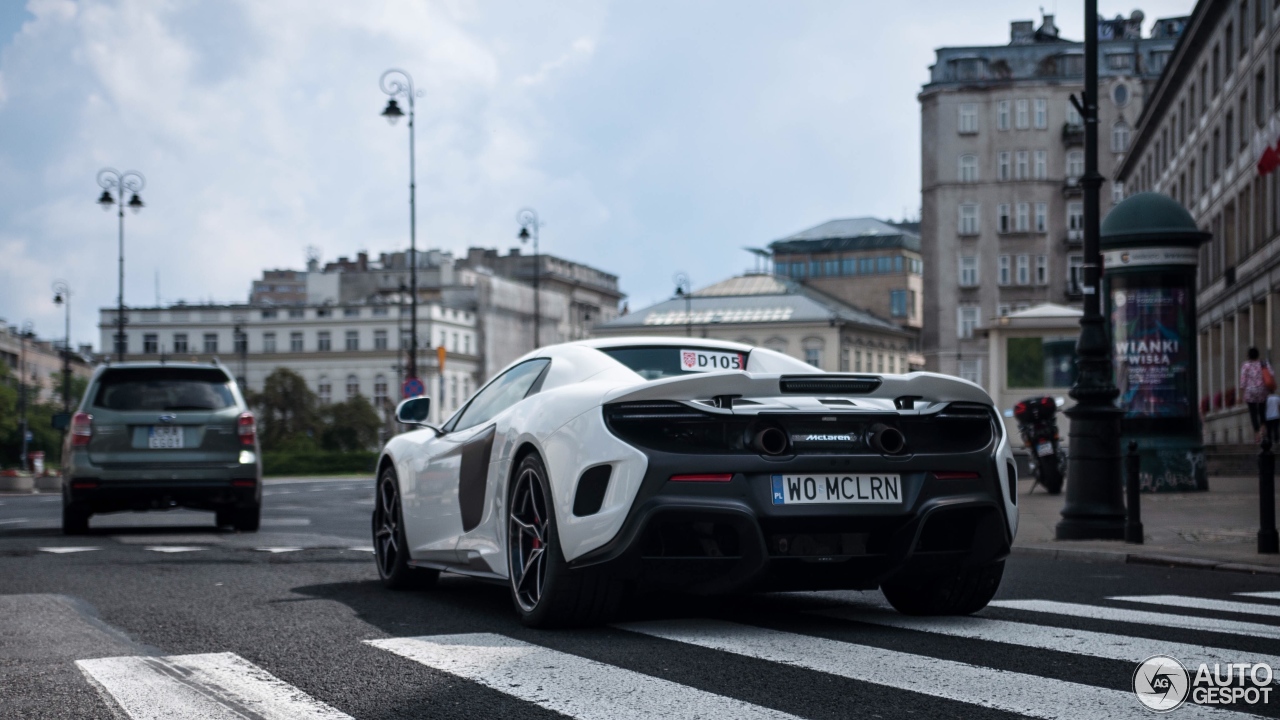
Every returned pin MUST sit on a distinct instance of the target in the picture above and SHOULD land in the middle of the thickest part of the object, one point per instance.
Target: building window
(1021, 114)
(1042, 269)
(295, 342)
(1117, 191)
(831, 268)
(1003, 309)
(1120, 61)
(453, 392)
(1002, 218)
(849, 266)
(1002, 115)
(323, 342)
(353, 339)
(1004, 165)
(971, 370)
(968, 168)
(379, 339)
(880, 362)
(1075, 215)
(813, 356)
(1120, 137)
(1022, 217)
(1034, 362)
(455, 342)
(351, 312)
(1042, 217)
(353, 386)
(857, 361)
(1075, 164)
(815, 269)
(324, 390)
(844, 360)
(898, 303)
(150, 343)
(884, 265)
(382, 311)
(1040, 167)
(967, 321)
(296, 312)
(466, 347)
(968, 118)
(1075, 277)
(211, 342)
(1020, 167)
(240, 342)
(324, 312)
(1042, 113)
(179, 342)
(968, 271)
(380, 391)
(268, 342)
(866, 266)
(969, 219)
(1004, 270)
(1024, 270)
(268, 314)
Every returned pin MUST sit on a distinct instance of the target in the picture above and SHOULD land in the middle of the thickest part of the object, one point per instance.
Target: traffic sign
(413, 387)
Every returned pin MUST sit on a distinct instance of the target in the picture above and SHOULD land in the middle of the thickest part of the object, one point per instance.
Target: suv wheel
(247, 519)
(75, 519)
(226, 517)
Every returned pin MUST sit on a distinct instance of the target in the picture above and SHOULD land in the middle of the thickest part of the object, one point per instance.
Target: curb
(1156, 559)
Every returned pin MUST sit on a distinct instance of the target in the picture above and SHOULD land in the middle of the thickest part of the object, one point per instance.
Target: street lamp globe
(106, 201)
(135, 203)
(392, 112)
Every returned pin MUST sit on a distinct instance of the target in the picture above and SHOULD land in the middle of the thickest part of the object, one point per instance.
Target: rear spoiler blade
(921, 386)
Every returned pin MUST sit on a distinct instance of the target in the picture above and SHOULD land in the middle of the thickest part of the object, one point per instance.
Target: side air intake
(820, 385)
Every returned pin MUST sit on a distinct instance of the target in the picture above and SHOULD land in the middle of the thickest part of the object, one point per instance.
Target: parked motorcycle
(1038, 425)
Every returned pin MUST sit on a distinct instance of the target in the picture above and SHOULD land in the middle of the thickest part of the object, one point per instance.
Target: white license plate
(164, 437)
(824, 489)
(707, 361)
(1044, 449)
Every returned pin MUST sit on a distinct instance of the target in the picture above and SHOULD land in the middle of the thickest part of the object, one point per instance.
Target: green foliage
(319, 463)
(1024, 365)
(39, 422)
(350, 425)
(292, 422)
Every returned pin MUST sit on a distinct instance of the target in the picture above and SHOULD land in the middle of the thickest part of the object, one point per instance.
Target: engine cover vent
(820, 385)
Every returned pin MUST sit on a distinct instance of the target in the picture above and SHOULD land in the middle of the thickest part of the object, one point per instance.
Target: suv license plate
(831, 489)
(164, 437)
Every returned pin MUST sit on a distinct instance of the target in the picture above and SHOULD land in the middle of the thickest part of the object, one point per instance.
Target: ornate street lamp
(528, 220)
(130, 182)
(398, 83)
(683, 290)
(62, 296)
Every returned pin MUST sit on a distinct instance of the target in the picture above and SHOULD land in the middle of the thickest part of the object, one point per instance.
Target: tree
(286, 410)
(351, 425)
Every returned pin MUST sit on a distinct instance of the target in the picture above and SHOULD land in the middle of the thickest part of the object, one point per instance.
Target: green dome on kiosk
(1149, 218)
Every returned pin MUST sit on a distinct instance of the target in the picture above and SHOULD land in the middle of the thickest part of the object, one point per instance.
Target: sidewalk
(1217, 529)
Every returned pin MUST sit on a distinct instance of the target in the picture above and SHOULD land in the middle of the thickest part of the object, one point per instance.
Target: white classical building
(341, 350)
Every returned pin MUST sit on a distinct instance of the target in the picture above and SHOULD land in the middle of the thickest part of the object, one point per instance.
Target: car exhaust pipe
(885, 439)
(770, 440)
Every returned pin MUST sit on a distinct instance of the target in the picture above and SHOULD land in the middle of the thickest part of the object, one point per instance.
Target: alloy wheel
(386, 524)
(527, 534)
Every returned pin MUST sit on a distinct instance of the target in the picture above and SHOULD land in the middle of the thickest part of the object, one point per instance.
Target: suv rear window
(164, 389)
(655, 363)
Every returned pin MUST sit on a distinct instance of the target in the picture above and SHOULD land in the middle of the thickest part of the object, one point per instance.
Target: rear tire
(75, 519)
(1049, 473)
(226, 517)
(962, 593)
(247, 519)
(390, 549)
(546, 592)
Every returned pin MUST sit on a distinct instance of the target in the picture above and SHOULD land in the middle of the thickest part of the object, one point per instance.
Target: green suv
(152, 436)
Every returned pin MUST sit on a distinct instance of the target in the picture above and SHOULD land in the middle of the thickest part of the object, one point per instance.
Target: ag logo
(1161, 683)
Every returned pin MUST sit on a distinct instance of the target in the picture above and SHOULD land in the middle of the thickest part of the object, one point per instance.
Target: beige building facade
(1209, 119)
(1002, 153)
(39, 362)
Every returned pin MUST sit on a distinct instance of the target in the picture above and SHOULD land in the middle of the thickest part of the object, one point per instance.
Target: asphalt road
(160, 615)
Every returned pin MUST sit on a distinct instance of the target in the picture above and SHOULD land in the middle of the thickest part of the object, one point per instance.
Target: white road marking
(14, 521)
(1267, 595)
(1143, 617)
(567, 684)
(61, 550)
(285, 521)
(1029, 695)
(277, 549)
(173, 548)
(1194, 603)
(1069, 640)
(361, 549)
(216, 685)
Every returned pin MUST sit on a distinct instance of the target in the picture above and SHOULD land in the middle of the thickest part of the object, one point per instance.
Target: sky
(651, 136)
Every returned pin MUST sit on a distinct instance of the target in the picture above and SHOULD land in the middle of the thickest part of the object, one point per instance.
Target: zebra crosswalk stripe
(1267, 595)
(1029, 695)
(214, 686)
(1069, 640)
(1143, 617)
(568, 684)
(1194, 603)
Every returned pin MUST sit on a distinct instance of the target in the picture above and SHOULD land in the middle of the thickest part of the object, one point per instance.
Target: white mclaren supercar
(586, 469)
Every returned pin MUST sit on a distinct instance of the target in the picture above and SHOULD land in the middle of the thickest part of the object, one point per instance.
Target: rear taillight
(956, 475)
(704, 477)
(243, 483)
(81, 429)
(248, 428)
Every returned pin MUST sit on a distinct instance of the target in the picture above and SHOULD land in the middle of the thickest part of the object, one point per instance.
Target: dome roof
(1150, 218)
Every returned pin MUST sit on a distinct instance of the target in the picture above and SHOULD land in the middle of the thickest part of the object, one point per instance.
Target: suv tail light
(81, 429)
(248, 428)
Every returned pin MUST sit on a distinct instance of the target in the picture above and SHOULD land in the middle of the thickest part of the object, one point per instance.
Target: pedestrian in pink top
(1254, 391)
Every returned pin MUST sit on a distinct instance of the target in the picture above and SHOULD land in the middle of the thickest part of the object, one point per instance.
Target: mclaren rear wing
(903, 391)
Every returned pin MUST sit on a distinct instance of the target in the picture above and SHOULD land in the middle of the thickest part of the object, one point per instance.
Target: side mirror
(414, 411)
(60, 421)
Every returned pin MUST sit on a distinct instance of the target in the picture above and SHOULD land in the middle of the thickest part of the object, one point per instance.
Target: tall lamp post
(683, 290)
(62, 296)
(131, 183)
(398, 83)
(1094, 506)
(26, 334)
(240, 340)
(528, 220)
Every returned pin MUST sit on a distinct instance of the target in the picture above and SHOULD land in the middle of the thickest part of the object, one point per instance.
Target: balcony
(1072, 135)
(1075, 290)
(1071, 187)
(1075, 237)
